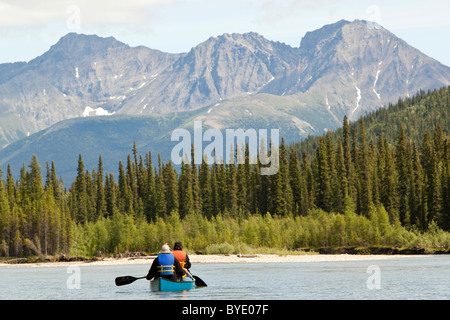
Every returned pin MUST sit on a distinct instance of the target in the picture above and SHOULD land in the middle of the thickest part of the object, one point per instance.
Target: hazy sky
(29, 27)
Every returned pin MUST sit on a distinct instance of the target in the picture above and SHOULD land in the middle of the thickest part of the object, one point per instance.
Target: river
(422, 278)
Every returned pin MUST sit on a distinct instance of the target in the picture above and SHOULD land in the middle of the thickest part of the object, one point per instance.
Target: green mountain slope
(111, 137)
(424, 112)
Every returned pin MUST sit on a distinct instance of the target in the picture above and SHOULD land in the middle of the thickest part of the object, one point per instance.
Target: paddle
(198, 282)
(121, 281)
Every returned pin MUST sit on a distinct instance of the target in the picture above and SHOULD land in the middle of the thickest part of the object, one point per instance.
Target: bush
(221, 248)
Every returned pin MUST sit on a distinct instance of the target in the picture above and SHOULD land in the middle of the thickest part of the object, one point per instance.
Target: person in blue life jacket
(166, 266)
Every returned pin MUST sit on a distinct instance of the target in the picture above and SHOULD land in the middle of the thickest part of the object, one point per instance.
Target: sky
(28, 27)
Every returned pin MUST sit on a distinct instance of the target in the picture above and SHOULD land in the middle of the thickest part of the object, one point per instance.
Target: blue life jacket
(166, 265)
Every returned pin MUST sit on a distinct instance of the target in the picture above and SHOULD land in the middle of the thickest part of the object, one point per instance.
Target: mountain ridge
(228, 81)
(356, 66)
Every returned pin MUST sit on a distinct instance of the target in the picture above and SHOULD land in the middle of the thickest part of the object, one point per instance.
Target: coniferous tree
(295, 179)
(232, 189)
(309, 187)
(241, 184)
(57, 185)
(196, 194)
(431, 181)
(150, 194)
(222, 190)
(278, 200)
(355, 187)
(388, 192)
(365, 191)
(5, 220)
(186, 203)
(131, 178)
(340, 186)
(37, 189)
(323, 194)
(204, 179)
(99, 187)
(214, 207)
(110, 195)
(10, 187)
(125, 201)
(446, 186)
(416, 189)
(284, 170)
(160, 196)
(402, 159)
(171, 187)
(79, 196)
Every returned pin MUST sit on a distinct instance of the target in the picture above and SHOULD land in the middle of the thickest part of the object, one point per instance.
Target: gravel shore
(216, 259)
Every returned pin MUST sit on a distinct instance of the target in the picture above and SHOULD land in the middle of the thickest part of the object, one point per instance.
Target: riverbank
(218, 259)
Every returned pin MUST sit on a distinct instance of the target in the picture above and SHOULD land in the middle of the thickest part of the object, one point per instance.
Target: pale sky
(28, 27)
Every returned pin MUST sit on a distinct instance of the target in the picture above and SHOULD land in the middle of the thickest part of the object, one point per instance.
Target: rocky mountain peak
(76, 46)
(347, 68)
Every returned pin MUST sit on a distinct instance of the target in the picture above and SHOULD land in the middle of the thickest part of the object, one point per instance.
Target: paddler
(166, 266)
(181, 255)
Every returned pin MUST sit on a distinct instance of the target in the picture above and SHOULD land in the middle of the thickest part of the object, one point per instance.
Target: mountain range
(88, 94)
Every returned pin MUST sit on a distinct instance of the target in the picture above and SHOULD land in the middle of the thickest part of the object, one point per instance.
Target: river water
(420, 278)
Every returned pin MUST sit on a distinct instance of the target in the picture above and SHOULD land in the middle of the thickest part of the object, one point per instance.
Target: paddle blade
(121, 281)
(199, 282)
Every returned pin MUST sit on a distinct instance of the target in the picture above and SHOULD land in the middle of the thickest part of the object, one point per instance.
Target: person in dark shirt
(166, 266)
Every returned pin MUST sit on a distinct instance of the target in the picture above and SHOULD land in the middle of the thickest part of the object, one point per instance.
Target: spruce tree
(186, 203)
(150, 195)
(231, 190)
(388, 190)
(100, 198)
(340, 186)
(295, 179)
(195, 183)
(416, 189)
(284, 169)
(171, 187)
(431, 182)
(309, 187)
(110, 195)
(79, 196)
(445, 219)
(323, 191)
(365, 195)
(403, 160)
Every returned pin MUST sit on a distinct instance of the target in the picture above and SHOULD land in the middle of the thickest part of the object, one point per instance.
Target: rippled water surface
(404, 278)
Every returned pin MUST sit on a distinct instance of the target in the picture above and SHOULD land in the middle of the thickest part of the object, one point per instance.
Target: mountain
(228, 81)
(347, 68)
(112, 138)
(79, 76)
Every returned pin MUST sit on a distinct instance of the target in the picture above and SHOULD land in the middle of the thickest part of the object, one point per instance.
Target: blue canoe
(161, 284)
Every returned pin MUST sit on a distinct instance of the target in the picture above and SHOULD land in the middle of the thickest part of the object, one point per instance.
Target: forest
(383, 180)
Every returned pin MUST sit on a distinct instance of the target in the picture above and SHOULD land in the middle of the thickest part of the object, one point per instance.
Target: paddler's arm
(153, 270)
(187, 263)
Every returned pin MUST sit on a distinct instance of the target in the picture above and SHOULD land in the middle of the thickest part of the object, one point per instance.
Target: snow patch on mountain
(88, 111)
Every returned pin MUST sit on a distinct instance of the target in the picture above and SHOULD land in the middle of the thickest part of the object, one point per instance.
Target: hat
(165, 249)
(178, 245)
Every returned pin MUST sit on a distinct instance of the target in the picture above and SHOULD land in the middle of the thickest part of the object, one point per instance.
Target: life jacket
(166, 265)
(181, 256)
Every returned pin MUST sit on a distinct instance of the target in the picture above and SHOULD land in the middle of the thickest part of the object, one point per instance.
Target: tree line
(350, 189)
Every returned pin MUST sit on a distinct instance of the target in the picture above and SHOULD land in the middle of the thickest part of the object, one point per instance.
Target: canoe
(161, 284)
